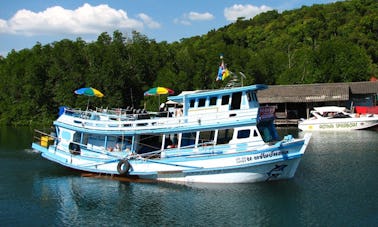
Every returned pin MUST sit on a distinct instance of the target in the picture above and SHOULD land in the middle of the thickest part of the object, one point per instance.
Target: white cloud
(148, 21)
(84, 20)
(3, 25)
(248, 11)
(187, 18)
(182, 21)
(194, 16)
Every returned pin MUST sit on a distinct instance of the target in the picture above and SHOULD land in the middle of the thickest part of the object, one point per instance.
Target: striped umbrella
(89, 91)
(158, 91)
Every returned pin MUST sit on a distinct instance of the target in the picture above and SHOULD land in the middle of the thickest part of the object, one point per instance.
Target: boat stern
(38, 147)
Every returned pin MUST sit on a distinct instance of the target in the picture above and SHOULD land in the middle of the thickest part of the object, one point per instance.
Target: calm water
(336, 185)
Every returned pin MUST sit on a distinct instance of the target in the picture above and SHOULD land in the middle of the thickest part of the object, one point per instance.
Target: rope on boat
(101, 163)
(170, 164)
(139, 157)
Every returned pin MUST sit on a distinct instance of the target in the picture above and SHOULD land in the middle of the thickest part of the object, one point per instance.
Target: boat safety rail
(148, 155)
(46, 139)
(113, 122)
(43, 138)
(115, 114)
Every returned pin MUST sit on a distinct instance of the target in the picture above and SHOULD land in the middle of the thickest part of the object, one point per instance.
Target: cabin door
(236, 100)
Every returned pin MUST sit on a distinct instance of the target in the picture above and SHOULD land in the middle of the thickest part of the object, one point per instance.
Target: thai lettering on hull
(338, 125)
(261, 156)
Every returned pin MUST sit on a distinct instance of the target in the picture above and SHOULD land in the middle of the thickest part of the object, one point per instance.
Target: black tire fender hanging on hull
(123, 167)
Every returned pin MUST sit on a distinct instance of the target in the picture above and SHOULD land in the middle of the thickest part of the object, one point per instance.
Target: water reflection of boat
(337, 118)
(217, 136)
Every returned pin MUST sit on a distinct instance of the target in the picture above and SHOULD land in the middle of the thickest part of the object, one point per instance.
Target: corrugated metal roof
(370, 87)
(315, 92)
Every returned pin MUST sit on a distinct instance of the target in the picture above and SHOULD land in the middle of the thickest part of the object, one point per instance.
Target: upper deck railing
(96, 120)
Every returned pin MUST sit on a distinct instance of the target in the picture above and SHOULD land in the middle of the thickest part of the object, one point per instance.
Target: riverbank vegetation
(335, 42)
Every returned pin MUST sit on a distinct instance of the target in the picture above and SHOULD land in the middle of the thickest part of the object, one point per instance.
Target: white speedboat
(337, 118)
(216, 136)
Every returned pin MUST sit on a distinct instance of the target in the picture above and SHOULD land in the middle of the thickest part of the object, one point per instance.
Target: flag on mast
(223, 72)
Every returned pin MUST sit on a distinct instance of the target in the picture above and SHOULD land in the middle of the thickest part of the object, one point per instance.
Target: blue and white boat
(214, 136)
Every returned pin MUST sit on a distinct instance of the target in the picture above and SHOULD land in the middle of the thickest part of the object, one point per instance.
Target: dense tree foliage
(336, 42)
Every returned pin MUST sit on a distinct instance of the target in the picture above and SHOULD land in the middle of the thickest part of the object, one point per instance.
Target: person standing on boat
(162, 107)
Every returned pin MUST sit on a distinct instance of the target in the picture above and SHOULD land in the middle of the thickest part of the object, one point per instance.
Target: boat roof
(206, 93)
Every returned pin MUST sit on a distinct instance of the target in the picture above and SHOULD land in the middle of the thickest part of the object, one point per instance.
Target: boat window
(224, 136)
(236, 99)
(213, 101)
(225, 99)
(77, 137)
(201, 102)
(188, 139)
(85, 139)
(148, 143)
(206, 137)
(111, 143)
(254, 97)
(123, 143)
(251, 96)
(192, 101)
(243, 134)
(255, 134)
(66, 135)
(171, 141)
(95, 140)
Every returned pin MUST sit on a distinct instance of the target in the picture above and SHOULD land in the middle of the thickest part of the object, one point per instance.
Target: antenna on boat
(242, 76)
(235, 82)
(132, 99)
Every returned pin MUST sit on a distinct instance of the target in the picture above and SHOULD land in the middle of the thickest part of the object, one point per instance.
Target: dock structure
(286, 122)
(293, 102)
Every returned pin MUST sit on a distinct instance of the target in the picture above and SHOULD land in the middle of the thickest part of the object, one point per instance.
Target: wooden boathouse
(293, 102)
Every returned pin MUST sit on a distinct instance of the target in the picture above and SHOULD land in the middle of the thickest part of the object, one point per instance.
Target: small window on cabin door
(77, 137)
(236, 100)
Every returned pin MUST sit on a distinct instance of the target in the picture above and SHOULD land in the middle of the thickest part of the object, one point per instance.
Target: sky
(23, 23)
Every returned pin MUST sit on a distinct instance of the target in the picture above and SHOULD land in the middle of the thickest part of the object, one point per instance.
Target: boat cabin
(218, 101)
